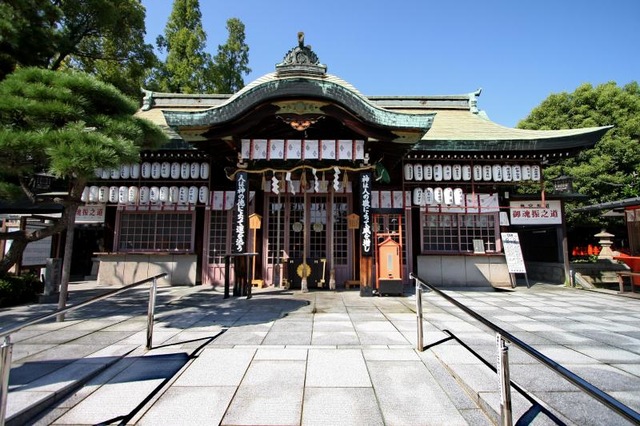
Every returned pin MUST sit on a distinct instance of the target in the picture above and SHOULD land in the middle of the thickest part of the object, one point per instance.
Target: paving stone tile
(336, 368)
(341, 406)
(233, 365)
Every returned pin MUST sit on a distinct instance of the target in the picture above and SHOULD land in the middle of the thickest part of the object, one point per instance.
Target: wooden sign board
(513, 252)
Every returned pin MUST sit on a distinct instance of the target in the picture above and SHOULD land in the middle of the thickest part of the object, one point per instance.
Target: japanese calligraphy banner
(90, 213)
(366, 234)
(241, 214)
(534, 213)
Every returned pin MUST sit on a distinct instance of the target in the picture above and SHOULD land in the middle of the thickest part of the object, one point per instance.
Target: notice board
(513, 252)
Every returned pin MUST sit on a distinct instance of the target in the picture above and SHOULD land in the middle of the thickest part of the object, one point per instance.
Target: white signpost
(513, 256)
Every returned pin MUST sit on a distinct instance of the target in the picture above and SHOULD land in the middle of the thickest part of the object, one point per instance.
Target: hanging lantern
(477, 173)
(526, 172)
(185, 170)
(165, 169)
(85, 194)
(93, 194)
(535, 173)
(155, 170)
(123, 194)
(438, 195)
(106, 173)
(175, 170)
(113, 194)
(144, 195)
(428, 196)
(427, 172)
(145, 170)
(204, 171)
(417, 172)
(437, 172)
(183, 195)
(173, 194)
(408, 172)
(125, 171)
(417, 196)
(193, 194)
(516, 172)
(194, 170)
(203, 195)
(486, 172)
(164, 194)
(507, 174)
(448, 196)
(134, 170)
(456, 172)
(497, 172)
(458, 197)
(466, 172)
(132, 195)
(446, 172)
(154, 195)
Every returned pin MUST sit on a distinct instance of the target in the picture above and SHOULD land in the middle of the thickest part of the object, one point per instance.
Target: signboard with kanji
(513, 252)
(90, 213)
(535, 212)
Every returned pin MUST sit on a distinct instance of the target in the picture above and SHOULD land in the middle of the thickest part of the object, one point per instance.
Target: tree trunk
(13, 255)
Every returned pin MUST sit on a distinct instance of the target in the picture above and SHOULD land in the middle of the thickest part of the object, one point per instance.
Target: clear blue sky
(517, 51)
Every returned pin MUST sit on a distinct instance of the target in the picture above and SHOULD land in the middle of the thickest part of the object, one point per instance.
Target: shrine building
(319, 186)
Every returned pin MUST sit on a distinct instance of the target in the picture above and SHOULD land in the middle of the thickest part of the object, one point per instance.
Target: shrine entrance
(311, 227)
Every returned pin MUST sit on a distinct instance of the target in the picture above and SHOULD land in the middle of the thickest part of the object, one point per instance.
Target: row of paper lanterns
(438, 196)
(156, 170)
(477, 172)
(146, 195)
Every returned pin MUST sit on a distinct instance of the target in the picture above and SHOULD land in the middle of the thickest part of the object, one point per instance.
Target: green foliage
(232, 59)
(16, 290)
(611, 170)
(102, 37)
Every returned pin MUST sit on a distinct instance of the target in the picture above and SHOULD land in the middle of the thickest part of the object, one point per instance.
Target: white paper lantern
(418, 196)
(446, 172)
(93, 194)
(408, 172)
(183, 195)
(535, 173)
(115, 173)
(106, 173)
(144, 195)
(516, 172)
(98, 172)
(175, 170)
(487, 172)
(155, 170)
(154, 194)
(456, 172)
(145, 170)
(437, 172)
(458, 197)
(184, 170)
(497, 172)
(164, 194)
(173, 194)
(103, 194)
(448, 196)
(526, 172)
(477, 173)
(125, 171)
(466, 172)
(123, 194)
(428, 196)
(417, 172)
(113, 194)
(195, 170)
(204, 171)
(438, 195)
(135, 170)
(193, 194)
(165, 170)
(132, 195)
(507, 174)
(427, 172)
(203, 195)
(85, 194)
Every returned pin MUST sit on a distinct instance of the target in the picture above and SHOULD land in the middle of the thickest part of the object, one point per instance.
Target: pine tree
(232, 59)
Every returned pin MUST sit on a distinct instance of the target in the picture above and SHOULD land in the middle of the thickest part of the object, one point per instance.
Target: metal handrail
(6, 349)
(503, 365)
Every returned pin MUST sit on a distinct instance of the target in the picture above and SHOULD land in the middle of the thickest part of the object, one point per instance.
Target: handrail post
(505, 381)
(151, 312)
(420, 341)
(6, 349)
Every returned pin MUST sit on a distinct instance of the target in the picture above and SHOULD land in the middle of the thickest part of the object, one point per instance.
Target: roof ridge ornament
(301, 60)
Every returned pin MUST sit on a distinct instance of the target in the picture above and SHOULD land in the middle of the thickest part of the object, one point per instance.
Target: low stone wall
(548, 272)
(464, 271)
(122, 269)
(600, 273)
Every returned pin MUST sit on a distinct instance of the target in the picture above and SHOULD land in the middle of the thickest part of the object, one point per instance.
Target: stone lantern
(605, 244)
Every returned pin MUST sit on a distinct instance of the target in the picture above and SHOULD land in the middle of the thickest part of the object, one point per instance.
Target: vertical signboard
(240, 219)
(513, 253)
(366, 236)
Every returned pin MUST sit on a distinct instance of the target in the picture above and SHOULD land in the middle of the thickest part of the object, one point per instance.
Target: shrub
(16, 290)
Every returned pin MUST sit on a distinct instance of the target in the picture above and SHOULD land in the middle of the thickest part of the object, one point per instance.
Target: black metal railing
(502, 338)
(6, 349)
